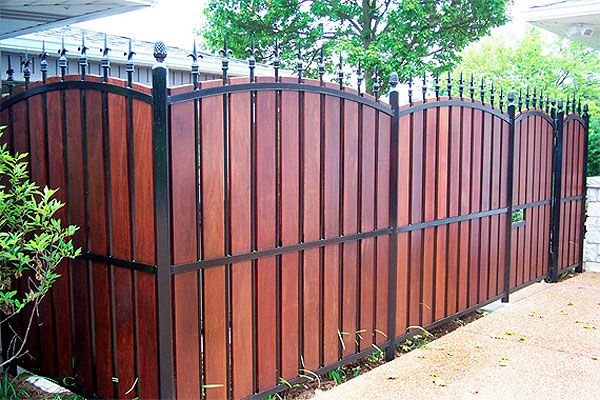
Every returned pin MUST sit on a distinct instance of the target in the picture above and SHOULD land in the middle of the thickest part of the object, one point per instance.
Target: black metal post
(105, 61)
(26, 69)
(390, 351)
(586, 118)
(556, 190)
(511, 109)
(160, 134)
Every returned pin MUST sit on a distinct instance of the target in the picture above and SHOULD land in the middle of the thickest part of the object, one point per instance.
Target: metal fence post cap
(585, 109)
(394, 82)
(511, 97)
(160, 51)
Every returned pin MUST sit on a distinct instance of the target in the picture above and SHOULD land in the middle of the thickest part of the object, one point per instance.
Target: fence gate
(238, 233)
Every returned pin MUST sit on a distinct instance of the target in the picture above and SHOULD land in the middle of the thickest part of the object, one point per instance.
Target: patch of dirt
(309, 388)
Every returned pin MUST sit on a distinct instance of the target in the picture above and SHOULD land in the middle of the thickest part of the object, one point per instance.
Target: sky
(174, 21)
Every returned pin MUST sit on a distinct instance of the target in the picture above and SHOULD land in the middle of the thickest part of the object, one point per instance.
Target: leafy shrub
(32, 244)
(594, 148)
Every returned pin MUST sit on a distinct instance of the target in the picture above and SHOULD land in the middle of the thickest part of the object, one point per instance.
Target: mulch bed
(308, 389)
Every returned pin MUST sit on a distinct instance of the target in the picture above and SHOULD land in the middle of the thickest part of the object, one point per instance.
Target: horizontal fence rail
(238, 233)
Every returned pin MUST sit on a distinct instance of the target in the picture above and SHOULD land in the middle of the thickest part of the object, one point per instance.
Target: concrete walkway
(545, 344)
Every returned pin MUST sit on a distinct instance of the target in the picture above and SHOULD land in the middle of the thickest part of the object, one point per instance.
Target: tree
(560, 68)
(32, 244)
(406, 36)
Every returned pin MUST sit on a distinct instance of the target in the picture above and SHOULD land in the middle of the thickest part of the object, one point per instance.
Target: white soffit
(21, 17)
(578, 20)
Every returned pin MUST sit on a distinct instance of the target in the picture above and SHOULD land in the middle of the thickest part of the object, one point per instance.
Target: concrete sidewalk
(544, 344)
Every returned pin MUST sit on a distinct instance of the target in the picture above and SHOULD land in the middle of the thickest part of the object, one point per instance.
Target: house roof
(177, 58)
(579, 20)
(20, 17)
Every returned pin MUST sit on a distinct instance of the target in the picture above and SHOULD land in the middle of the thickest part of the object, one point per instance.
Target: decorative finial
(83, 63)
(541, 100)
(26, 68)
(10, 79)
(482, 90)
(579, 106)
(560, 107)
(520, 103)
(449, 84)
(160, 51)
(424, 87)
(573, 104)
(410, 89)
(299, 64)
(394, 82)
(225, 53)
(359, 77)
(251, 58)
(376, 83)
(195, 69)
(527, 97)
(585, 114)
(492, 94)
(460, 85)
(472, 87)
(534, 98)
(44, 62)
(511, 98)
(130, 65)
(62, 60)
(341, 72)
(105, 63)
(501, 99)
(276, 60)
(321, 66)
(436, 86)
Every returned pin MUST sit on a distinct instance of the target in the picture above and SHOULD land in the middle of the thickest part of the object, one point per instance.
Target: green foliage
(406, 36)
(517, 216)
(561, 68)
(32, 241)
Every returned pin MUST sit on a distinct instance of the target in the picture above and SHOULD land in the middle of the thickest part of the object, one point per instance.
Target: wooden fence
(239, 233)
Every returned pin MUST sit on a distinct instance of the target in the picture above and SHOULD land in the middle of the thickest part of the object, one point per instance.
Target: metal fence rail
(238, 233)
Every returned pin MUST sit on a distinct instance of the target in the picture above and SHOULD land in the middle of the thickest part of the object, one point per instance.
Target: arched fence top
(113, 85)
(575, 117)
(534, 113)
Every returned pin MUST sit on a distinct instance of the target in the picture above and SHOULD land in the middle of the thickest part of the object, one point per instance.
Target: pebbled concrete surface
(544, 344)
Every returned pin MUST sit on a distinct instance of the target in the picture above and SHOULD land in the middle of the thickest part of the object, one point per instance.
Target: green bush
(594, 148)
(32, 244)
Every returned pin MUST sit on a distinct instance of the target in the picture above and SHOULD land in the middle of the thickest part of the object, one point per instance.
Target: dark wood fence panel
(532, 196)
(572, 196)
(280, 228)
(80, 140)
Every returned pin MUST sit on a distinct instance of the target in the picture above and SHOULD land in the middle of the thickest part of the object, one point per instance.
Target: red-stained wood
(382, 243)
(466, 269)
(441, 262)
(429, 214)
(404, 209)
(145, 249)
(289, 235)
(350, 226)
(367, 223)
(98, 240)
(311, 214)
(183, 220)
(241, 274)
(265, 228)
(212, 194)
(121, 243)
(416, 215)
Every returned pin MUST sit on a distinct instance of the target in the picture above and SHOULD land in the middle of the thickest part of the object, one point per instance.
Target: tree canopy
(406, 36)
(560, 67)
